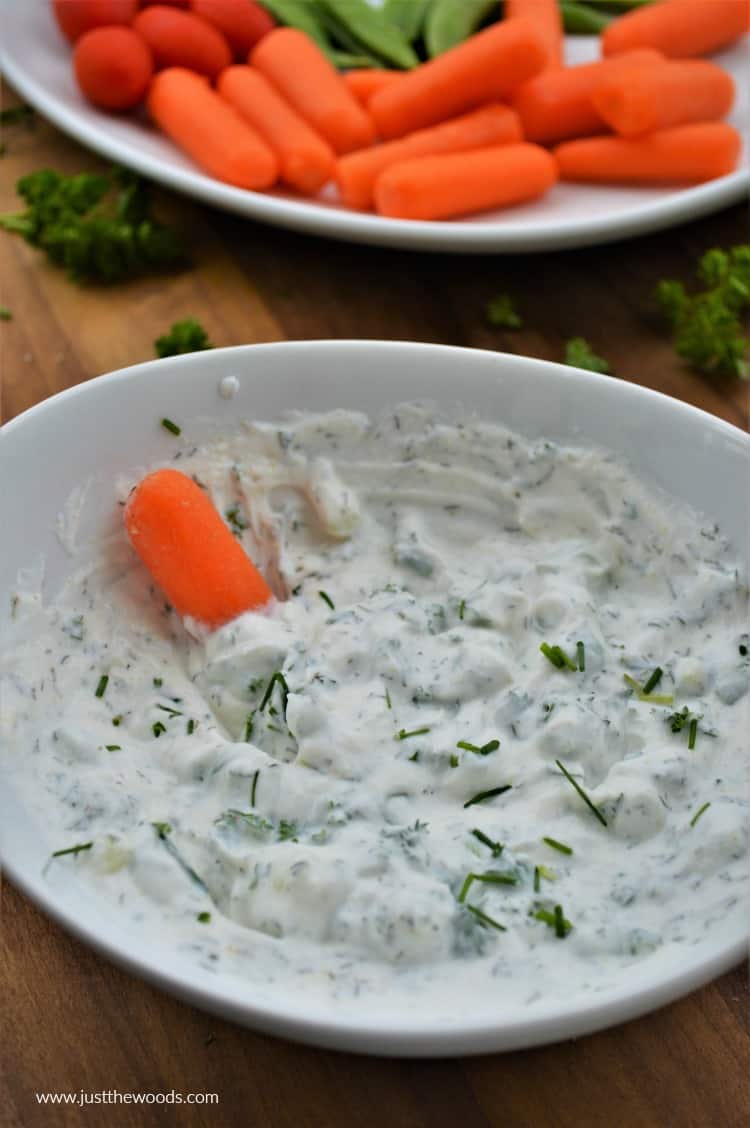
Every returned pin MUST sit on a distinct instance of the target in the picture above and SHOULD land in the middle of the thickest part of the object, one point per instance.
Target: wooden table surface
(70, 1021)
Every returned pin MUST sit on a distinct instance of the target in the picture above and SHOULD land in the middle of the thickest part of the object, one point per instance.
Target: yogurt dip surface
(429, 775)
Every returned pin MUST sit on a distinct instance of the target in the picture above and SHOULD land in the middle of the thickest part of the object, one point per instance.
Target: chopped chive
(388, 698)
(743, 650)
(117, 721)
(537, 879)
(279, 678)
(73, 849)
(254, 788)
(558, 845)
(482, 795)
(495, 847)
(190, 727)
(574, 783)
(652, 698)
(557, 656)
(158, 728)
(168, 425)
(113, 747)
(158, 682)
(465, 888)
(698, 813)
(479, 749)
(461, 608)
(168, 709)
(547, 874)
(327, 599)
(581, 656)
(491, 877)
(554, 919)
(249, 724)
(653, 681)
(404, 735)
(484, 919)
(692, 733)
(101, 686)
(414, 758)
(162, 829)
(204, 918)
(454, 761)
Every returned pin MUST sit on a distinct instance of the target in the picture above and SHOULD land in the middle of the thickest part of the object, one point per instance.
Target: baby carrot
(242, 22)
(306, 161)
(180, 39)
(303, 75)
(679, 28)
(185, 107)
(687, 154)
(366, 82)
(546, 15)
(357, 173)
(459, 183)
(486, 68)
(556, 104)
(190, 552)
(673, 93)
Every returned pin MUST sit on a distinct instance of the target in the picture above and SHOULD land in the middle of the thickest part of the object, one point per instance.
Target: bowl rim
(412, 1038)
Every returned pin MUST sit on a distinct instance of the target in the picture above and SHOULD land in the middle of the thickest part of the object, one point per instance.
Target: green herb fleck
(557, 656)
(698, 813)
(581, 656)
(158, 728)
(73, 849)
(113, 747)
(185, 336)
(537, 879)
(481, 796)
(237, 520)
(554, 919)
(653, 680)
(5, 314)
(276, 679)
(158, 683)
(388, 698)
(414, 758)
(574, 783)
(254, 787)
(101, 685)
(204, 918)
(502, 312)
(487, 921)
(404, 735)
(327, 599)
(685, 719)
(162, 829)
(117, 721)
(692, 733)
(454, 761)
(579, 354)
(495, 847)
(491, 877)
(558, 845)
(190, 727)
(287, 831)
(168, 709)
(461, 609)
(652, 698)
(479, 749)
(249, 725)
(168, 425)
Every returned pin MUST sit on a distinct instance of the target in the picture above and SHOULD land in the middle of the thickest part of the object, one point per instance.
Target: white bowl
(112, 425)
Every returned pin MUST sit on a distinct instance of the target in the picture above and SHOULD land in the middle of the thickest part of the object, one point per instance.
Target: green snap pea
(449, 22)
(369, 28)
(299, 14)
(346, 60)
(407, 15)
(580, 20)
(343, 43)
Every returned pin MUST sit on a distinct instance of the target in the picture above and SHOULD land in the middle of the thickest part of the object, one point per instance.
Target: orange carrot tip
(439, 187)
(674, 93)
(364, 83)
(357, 173)
(190, 552)
(679, 28)
(687, 154)
(547, 16)
(185, 107)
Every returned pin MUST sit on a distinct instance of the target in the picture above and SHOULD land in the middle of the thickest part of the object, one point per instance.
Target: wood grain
(70, 1021)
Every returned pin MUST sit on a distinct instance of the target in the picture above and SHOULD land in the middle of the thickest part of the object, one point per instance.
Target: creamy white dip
(324, 839)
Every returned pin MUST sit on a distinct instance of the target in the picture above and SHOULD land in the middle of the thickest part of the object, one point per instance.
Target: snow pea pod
(449, 22)
(580, 20)
(370, 29)
(299, 14)
(344, 43)
(407, 15)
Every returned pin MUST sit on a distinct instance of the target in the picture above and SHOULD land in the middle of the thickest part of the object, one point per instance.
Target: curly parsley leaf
(579, 354)
(185, 336)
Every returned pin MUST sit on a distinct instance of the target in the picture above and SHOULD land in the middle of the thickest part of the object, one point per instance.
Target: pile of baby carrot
(494, 121)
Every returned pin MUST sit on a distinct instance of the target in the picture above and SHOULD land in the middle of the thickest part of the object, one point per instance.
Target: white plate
(36, 59)
(111, 426)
